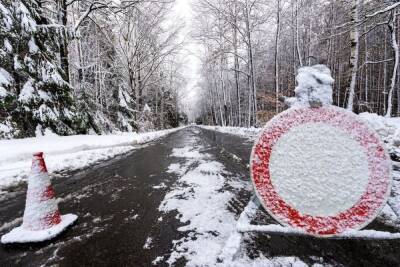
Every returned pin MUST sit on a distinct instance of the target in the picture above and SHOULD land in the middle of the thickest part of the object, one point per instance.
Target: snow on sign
(322, 170)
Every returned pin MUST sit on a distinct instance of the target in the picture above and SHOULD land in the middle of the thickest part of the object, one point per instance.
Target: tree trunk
(278, 28)
(366, 85)
(62, 18)
(236, 66)
(253, 93)
(162, 109)
(392, 29)
(355, 47)
(297, 34)
(385, 75)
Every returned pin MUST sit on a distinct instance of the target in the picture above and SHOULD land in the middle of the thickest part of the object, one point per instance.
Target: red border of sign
(379, 164)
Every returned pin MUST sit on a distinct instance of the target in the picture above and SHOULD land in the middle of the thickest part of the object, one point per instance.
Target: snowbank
(64, 152)
(250, 133)
(387, 128)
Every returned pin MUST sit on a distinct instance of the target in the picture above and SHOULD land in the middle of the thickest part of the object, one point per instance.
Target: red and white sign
(322, 170)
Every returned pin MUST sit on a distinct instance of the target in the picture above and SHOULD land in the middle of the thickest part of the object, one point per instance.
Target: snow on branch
(94, 6)
(367, 16)
(112, 5)
(386, 9)
(51, 26)
(375, 62)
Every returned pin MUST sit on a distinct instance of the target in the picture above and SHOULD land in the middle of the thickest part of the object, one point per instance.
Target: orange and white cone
(42, 220)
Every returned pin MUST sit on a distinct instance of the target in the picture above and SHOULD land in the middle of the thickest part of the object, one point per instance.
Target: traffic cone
(42, 219)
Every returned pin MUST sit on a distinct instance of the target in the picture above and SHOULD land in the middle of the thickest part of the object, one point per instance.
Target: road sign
(322, 170)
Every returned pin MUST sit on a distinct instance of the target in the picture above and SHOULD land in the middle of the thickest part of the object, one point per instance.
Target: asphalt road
(117, 203)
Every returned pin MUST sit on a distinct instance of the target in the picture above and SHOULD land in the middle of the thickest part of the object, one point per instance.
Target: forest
(252, 49)
(94, 66)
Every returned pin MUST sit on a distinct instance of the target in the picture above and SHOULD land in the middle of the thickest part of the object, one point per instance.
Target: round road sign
(322, 170)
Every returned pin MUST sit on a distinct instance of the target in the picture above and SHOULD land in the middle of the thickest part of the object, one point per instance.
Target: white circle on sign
(319, 169)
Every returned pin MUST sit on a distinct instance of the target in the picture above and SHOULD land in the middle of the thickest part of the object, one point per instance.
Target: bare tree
(285, 34)
(395, 46)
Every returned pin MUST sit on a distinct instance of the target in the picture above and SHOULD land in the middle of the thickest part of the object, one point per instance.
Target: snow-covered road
(174, 202)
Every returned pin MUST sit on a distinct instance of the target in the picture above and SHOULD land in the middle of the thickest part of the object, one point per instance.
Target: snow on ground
(64, 153)
(23, 235)
(387, 128)
(250, 133)
(202, 203)
(389, 131)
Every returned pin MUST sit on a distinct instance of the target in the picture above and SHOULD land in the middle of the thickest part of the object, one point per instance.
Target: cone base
(21, 235)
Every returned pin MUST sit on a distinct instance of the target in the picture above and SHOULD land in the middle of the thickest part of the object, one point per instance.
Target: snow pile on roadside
(387, 128)
(389, 131)
(64, 152)
(250, 133)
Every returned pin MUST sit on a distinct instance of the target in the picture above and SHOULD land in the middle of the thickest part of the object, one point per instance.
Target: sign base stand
(243, 225)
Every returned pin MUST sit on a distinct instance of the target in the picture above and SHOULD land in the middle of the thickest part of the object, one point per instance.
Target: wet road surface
(117, 203)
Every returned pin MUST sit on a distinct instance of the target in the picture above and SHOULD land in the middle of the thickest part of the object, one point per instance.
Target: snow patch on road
(174, 168)
(202, 205)
(269, 262)
(11, 224)
(148, 243)
(201, 199)
(160, 186)
(186, 152)
(157, 260)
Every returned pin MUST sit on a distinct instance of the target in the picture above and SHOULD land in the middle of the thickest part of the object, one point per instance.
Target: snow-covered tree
(116, 62)
(33, 95)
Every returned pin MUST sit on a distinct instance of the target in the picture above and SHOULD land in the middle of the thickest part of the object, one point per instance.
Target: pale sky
(183, 12)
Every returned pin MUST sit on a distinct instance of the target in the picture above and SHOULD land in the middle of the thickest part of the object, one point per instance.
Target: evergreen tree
(34, 95)
(126, 114)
